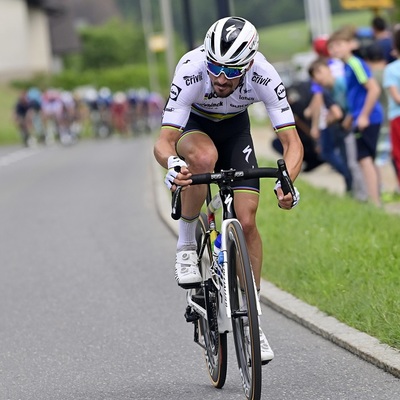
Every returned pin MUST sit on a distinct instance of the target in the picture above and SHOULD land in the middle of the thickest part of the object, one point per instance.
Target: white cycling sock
(187, 234)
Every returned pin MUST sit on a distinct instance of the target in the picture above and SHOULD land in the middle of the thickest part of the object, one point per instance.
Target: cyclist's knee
(248, 222)
(202, 160)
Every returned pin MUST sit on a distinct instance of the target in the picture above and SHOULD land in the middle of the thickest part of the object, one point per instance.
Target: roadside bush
(112, 44)
(118, 78)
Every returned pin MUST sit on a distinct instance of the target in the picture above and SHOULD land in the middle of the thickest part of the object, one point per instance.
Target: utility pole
(318, 16)
(147, 23)
(223, 8)
(187, 14)
(169, 34)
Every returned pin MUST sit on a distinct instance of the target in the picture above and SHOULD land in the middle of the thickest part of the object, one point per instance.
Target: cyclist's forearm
(293, 152)
(165, 147)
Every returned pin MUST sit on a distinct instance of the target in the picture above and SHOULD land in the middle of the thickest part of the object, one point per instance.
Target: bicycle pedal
(190, 315)
(190, 285)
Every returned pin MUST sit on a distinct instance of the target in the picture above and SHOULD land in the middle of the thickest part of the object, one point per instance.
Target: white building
(25, 42)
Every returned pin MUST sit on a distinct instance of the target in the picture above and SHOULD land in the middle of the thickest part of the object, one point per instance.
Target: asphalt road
(89, 306)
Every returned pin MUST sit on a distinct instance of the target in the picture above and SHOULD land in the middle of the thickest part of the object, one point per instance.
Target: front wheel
(214, 343)
(244, 311)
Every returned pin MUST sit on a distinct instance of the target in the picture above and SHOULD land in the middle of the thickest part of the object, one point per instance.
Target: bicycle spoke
(244, 312)
(213, 342)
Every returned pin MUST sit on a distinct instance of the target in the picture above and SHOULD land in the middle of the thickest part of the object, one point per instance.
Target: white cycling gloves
(296, 197)
(174, 165)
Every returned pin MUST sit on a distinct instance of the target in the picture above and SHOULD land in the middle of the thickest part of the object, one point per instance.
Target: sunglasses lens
(214, 69)
(230, 73)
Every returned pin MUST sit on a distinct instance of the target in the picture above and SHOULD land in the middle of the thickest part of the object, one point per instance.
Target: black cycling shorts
(234, 144)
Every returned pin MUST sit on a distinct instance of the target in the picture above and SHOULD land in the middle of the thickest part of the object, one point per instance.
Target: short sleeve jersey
(357, 74)
(192, 91)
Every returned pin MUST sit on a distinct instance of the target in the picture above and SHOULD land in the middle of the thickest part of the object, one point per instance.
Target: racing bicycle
(226, 299)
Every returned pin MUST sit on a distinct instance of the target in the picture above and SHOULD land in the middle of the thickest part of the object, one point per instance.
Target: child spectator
(375, 58)
(362, 93)
(391, 82)
(333, 91)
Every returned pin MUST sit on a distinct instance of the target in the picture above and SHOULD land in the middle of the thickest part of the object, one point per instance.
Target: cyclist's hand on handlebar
(178, 173)
(286, 201)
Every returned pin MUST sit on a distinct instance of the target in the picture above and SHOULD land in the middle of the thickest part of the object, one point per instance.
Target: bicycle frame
(222, 269)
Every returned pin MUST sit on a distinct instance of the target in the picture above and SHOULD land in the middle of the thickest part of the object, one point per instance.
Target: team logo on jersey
(175, 91)
(257, 78)
(246, 98)
(212, 105)
(237, 105)
(189, 80)
(244, 90)
(280, 91)
(209, 96)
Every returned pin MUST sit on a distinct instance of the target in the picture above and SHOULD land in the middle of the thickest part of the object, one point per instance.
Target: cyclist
(206, 127)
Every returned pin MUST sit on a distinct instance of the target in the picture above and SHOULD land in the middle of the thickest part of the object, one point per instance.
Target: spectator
(383, 38)
(362, 93)
(375, 59)
(391, 82)
(332, 138)
(299, 96)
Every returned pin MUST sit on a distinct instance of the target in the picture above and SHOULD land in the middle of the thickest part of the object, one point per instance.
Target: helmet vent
(239, 50)
(212, 42)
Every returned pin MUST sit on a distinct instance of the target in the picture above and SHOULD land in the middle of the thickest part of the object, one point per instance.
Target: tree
(397, 10)
(115, 43)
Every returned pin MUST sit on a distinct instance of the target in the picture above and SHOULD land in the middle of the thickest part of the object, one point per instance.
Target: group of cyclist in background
(56, 115)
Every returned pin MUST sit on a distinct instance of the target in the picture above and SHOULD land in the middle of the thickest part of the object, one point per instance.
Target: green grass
(8, 130)
(280, 42)
(338, 255)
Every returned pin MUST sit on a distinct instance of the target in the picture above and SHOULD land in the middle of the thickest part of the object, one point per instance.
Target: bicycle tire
(241, 283)
(215, 343)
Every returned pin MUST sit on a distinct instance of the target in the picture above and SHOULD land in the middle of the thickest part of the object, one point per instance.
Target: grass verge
(281, 42)
(336, 254)
(8, 130)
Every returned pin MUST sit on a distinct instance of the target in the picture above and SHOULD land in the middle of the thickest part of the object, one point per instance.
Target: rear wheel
(215, 343)
(244, 312)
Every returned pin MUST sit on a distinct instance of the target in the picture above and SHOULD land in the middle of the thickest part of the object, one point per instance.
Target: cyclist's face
(223, 87)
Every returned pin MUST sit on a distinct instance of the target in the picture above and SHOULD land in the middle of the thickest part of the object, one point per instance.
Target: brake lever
(283, 176)
(176, 204)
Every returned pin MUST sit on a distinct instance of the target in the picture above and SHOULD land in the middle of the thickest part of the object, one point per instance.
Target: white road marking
(16, 156)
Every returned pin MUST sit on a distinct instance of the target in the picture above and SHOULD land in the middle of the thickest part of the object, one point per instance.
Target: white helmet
(231, 41)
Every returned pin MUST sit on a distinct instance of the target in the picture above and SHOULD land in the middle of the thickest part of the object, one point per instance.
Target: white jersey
(192, 91)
